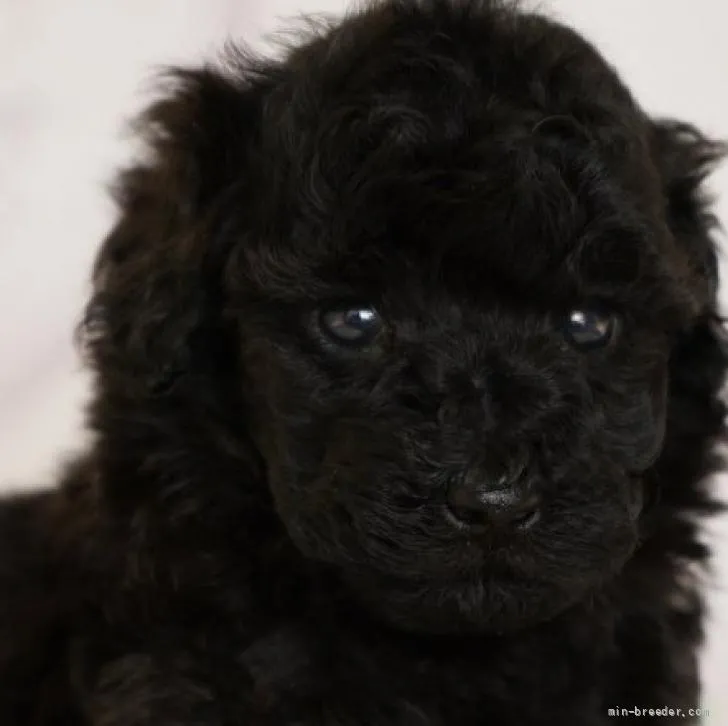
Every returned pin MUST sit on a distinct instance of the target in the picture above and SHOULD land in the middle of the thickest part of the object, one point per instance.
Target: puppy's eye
(355, 325)
(590, 328)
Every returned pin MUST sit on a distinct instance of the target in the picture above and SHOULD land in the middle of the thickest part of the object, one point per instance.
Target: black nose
(481, 500)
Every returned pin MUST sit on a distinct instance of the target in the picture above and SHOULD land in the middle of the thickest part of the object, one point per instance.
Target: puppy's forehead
(485, 141)
(434, 77)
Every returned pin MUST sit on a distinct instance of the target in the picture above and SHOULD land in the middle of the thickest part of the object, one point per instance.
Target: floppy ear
(685, 157)
(154, 314)
(699, 361)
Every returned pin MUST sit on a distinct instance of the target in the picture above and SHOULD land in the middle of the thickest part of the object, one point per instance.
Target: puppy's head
(434, 266)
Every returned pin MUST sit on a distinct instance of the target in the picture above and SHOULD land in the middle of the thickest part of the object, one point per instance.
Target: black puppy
(408, 363)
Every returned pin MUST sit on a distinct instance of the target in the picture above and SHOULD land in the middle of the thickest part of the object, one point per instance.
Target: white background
(71, 71)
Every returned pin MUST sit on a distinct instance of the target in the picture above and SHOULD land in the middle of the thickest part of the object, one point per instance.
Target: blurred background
(72, 73)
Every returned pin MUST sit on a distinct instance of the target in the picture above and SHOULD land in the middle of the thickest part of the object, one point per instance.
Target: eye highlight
(354, 325)
(590, 328)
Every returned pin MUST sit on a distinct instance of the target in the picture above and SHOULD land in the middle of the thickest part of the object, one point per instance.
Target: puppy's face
(455, 259)
(457, 348)
(467, 463)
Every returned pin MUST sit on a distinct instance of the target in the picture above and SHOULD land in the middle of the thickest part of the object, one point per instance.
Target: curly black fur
(258, 535)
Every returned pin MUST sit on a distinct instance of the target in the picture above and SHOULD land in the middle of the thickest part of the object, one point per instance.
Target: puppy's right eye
(354, 325)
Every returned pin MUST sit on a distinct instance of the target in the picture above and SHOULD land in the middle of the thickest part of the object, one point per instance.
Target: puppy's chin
(493, 605)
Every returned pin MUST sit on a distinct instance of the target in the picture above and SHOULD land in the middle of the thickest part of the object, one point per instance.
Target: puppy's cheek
(316, 517)
(637, 430)
(319, 534)
(586, 541)
(658, 408)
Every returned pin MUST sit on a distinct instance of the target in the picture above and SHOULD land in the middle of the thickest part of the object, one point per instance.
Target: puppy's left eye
(590, 328)
(351, 325)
